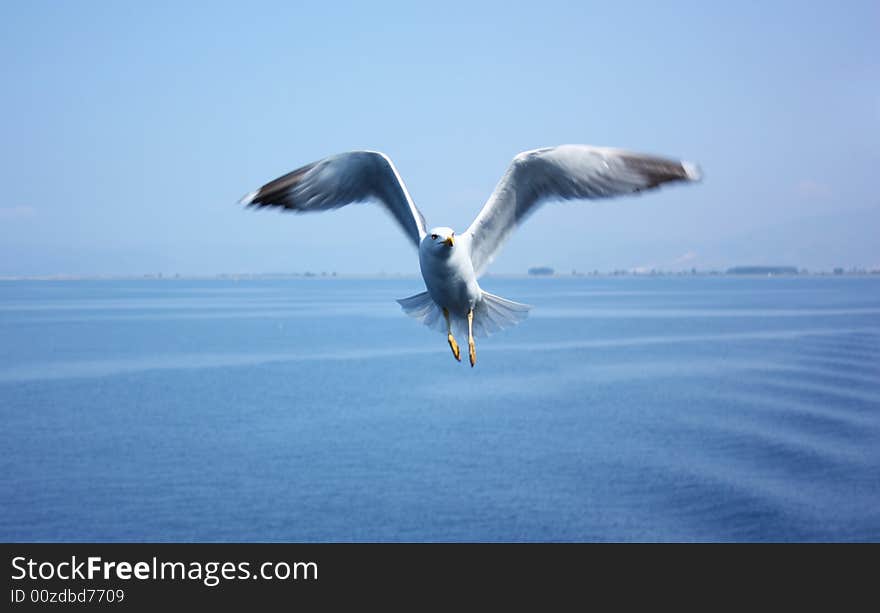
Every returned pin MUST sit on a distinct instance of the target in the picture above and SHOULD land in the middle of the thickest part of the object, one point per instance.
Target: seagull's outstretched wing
(563, 173)
(342, 179)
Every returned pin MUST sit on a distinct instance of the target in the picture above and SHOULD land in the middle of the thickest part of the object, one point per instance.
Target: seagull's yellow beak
(449, 242)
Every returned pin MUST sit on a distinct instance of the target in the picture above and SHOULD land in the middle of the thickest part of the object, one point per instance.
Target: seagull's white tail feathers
(423, 308)
(492, 314)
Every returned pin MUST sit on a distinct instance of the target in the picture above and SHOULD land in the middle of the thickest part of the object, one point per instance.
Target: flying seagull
(451, 263)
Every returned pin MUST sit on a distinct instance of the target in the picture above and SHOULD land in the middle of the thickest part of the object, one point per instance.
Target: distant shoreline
(379, 276)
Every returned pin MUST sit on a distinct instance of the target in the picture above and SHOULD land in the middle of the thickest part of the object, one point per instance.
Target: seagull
(451, 263)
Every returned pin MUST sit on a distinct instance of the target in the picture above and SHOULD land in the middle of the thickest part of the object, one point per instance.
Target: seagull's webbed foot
(472, 349)
(454, 346)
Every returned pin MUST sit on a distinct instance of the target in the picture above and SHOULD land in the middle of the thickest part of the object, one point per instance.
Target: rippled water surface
(314, 410)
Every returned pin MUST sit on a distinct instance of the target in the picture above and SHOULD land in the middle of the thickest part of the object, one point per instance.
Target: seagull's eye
(433, 237)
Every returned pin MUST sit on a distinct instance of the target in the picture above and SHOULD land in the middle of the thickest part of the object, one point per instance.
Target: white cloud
(690, 256)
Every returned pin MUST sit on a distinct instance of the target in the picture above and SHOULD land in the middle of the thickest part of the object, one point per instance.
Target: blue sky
(130, 130)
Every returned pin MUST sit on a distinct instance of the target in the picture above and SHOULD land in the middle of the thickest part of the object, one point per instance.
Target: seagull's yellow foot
(472, 350)
(454, 346)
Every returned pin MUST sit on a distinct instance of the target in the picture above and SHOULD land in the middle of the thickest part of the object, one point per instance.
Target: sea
(669, 408)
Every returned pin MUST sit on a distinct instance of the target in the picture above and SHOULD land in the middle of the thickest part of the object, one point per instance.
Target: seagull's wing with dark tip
(564, 173)
(339, 180)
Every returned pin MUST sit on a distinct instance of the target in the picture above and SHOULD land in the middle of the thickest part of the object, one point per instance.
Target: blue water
(313, 410)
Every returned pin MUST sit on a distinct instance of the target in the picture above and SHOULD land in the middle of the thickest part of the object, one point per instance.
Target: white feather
(340, 180)
(563, 173)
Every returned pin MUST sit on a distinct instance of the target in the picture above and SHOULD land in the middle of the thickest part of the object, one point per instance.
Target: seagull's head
(440, 240)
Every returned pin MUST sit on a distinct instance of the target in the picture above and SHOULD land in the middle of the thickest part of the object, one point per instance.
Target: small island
(762, 270)
(541, 271)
